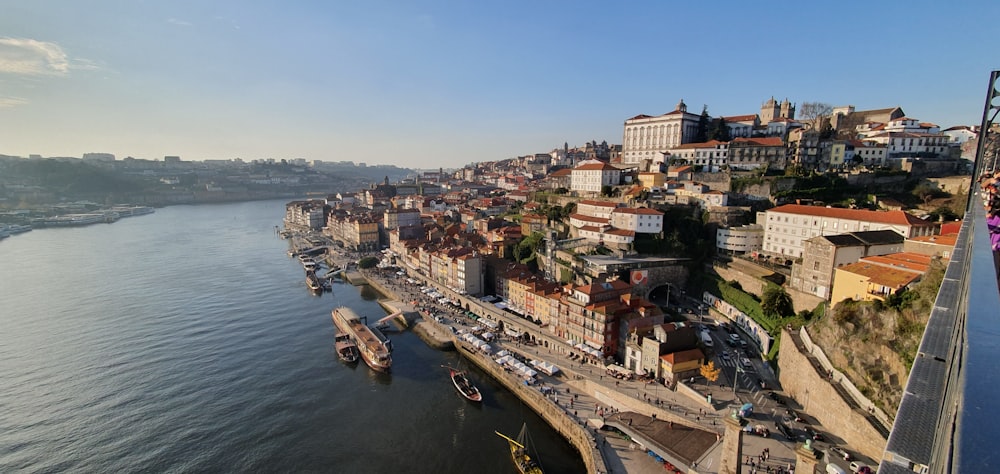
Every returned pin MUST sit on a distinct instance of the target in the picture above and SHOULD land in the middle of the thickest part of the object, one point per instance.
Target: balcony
(946, 421)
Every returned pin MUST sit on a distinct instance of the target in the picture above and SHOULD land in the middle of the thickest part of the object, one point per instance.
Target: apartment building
(823, 254)
(787, 227)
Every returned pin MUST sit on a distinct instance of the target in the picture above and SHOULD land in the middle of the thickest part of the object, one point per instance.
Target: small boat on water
(312, 281)
(347, 350)
(374, 350)
(464, 385)
(519, 453)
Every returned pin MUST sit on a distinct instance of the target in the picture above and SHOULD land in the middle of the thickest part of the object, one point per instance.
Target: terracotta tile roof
(740, 118)
(591, 228)
(638, 210)
(885, 217)
(595, 167)
(946, 240)
(708, 144)
(591, 202)
(640, 116)
(928, 125)
(878, 274)
(621, 232)
(683, 356)
(562, 172)
(679, 169)
(769, 141)
(586, 218)
(902, 260)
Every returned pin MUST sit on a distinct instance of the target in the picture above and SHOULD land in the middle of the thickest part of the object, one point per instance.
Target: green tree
(776, 302)
(606, 190)
(701, 135)
(367, 262)
(719, 131)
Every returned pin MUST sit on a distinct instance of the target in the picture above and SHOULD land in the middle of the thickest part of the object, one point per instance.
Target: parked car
(838, 451)
(777, 398)
(858, 467)
(815, 435)
(793, 415)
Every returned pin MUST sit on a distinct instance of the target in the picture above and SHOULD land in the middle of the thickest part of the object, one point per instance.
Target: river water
(186, 341)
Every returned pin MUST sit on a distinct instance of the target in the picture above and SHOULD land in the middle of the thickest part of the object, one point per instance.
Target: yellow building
(681, 364)
(875, 278)
(652, 180)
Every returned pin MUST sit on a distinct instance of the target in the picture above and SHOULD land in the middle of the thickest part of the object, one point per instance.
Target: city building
(753, 153)
(875, 278)
(787, 227)
(637, 219)
(590, 177)
(305, 215)
(740, 240)
(647, 137)
(823, 254)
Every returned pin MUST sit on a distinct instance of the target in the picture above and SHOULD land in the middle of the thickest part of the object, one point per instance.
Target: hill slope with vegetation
(874, 343)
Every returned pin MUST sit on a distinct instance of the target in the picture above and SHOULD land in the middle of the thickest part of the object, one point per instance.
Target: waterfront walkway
(584, 390)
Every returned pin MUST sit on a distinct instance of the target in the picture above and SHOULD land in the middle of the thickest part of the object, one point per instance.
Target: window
(815, 266)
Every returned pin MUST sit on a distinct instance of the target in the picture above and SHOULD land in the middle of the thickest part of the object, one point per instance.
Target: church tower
(787, 110)
(681, 106)
(769, 111)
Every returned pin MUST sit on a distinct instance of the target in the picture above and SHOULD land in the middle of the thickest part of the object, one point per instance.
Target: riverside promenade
(582, 395)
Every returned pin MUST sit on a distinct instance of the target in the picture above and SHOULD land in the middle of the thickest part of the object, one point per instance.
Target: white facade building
(711, 155)
(787, 227)
(591, 177)
(742, 239)
(642, 220)
(600, 209)
(647, 137)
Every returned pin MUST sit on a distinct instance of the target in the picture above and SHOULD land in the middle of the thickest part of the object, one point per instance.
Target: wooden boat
(464, 385)
(312, 281)
(347, 350)
(519, 453)
(373, 349)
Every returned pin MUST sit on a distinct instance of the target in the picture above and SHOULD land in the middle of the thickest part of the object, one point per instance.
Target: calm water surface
(186, 341)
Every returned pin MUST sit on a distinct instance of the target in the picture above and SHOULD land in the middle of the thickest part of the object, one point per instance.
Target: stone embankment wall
(749, 283)
(584, 441)
(801, 377)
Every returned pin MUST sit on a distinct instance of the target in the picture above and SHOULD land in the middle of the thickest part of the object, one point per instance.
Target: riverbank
(438, 336)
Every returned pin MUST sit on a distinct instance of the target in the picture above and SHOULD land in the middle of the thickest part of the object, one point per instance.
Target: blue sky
(427, 84)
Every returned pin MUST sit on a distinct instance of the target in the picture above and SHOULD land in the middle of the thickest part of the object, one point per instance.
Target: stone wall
(749, 283)
(801, 379)
(715, 181)
(802, 300)
(577, 435)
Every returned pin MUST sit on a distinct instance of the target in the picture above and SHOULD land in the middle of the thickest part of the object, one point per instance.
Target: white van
(832, 468)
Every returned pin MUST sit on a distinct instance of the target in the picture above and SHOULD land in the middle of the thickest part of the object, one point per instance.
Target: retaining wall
(580, 437)
(801, 379)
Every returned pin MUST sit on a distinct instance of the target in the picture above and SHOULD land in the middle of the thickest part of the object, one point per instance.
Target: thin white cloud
(31, 57)
(11, 102)
(174, 21)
